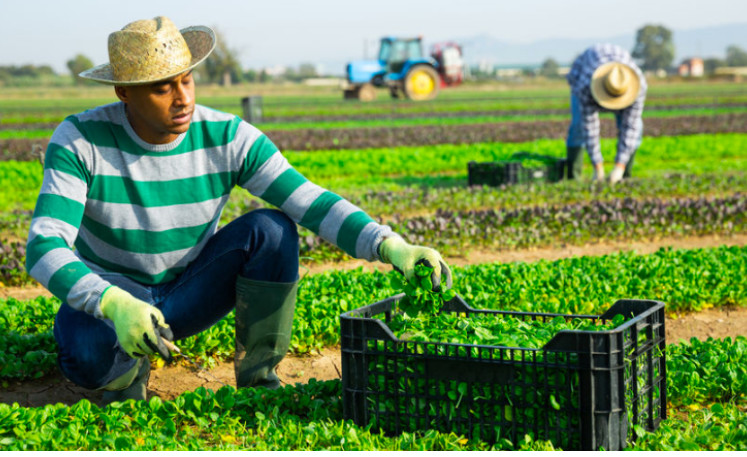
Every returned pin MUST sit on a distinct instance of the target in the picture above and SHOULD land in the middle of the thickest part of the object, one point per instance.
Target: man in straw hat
(605, 78)
(138, 187)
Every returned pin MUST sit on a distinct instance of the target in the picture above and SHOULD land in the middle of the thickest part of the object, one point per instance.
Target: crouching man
(137, 188)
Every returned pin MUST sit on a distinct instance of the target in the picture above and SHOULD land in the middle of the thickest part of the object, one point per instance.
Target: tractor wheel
(367, 92)
(422, 83)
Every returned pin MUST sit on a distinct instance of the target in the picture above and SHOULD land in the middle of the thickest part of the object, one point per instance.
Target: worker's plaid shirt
(579, 78)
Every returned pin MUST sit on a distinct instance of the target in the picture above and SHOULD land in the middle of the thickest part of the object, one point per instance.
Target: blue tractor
(405, 70)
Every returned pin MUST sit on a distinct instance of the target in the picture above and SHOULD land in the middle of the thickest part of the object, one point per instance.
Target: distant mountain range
(701, 42)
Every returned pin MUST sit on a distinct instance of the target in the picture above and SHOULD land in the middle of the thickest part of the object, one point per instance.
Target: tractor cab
(395, 53)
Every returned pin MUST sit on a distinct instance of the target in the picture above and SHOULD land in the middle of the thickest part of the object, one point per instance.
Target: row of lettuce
(707, 403)
(44, 130)
(448, 193)
(456, 233)
(330, 104)
(707, 412)
(353, 172)
(394, 168)
(427, 199)
(685, 280)
(396, 133)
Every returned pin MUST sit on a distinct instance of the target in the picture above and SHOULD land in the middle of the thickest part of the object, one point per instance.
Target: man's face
(161, 111)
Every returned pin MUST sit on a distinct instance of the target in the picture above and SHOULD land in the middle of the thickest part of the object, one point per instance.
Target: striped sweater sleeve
(56, 221)
(267, 174)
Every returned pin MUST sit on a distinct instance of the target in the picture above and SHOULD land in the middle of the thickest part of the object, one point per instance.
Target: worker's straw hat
(152, 50)
(615, 85)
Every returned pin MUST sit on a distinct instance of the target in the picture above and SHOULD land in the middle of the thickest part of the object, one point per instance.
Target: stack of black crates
(584, 390)
(513, 170)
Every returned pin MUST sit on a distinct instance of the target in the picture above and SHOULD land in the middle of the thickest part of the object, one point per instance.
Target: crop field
(676, 233)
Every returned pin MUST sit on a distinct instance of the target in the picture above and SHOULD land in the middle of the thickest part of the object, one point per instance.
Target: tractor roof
(393, 38)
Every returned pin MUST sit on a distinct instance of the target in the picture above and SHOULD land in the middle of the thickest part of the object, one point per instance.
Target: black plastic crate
(584, 390)
(553, 171)
(512, 171)
(494, 173)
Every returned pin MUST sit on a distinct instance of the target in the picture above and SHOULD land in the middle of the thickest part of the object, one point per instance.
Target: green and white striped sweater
(146, 211)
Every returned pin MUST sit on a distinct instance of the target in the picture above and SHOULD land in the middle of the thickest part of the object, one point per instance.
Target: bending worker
(138, 186)
(605, 78)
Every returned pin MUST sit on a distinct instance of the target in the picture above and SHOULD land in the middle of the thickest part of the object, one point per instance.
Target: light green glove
(617, 173)
(404, 257)
(139, 326)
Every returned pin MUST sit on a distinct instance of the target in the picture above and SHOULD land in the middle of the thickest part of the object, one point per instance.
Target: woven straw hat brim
(200, 41)
(604, 98)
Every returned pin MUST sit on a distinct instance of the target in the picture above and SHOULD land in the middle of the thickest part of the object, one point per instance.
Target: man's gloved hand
(617, 173)
(139, 326)
(404, 256)
(598, 172)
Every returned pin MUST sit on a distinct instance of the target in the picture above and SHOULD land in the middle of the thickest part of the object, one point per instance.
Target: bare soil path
(170, 381)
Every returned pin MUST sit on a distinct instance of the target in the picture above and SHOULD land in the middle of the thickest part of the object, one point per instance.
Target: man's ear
(121, 92)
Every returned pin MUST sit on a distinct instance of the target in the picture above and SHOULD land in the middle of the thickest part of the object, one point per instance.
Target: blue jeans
(261, 245)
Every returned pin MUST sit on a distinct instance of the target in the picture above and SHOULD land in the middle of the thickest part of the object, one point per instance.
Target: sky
(289, 32)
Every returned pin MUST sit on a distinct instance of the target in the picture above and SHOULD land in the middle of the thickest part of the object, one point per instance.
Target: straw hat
(615, 85)
(152, 50)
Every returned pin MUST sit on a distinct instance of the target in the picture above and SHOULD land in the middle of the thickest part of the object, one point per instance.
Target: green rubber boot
(574, 160)
(629, 167)
(264, 318)
(130, 386)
